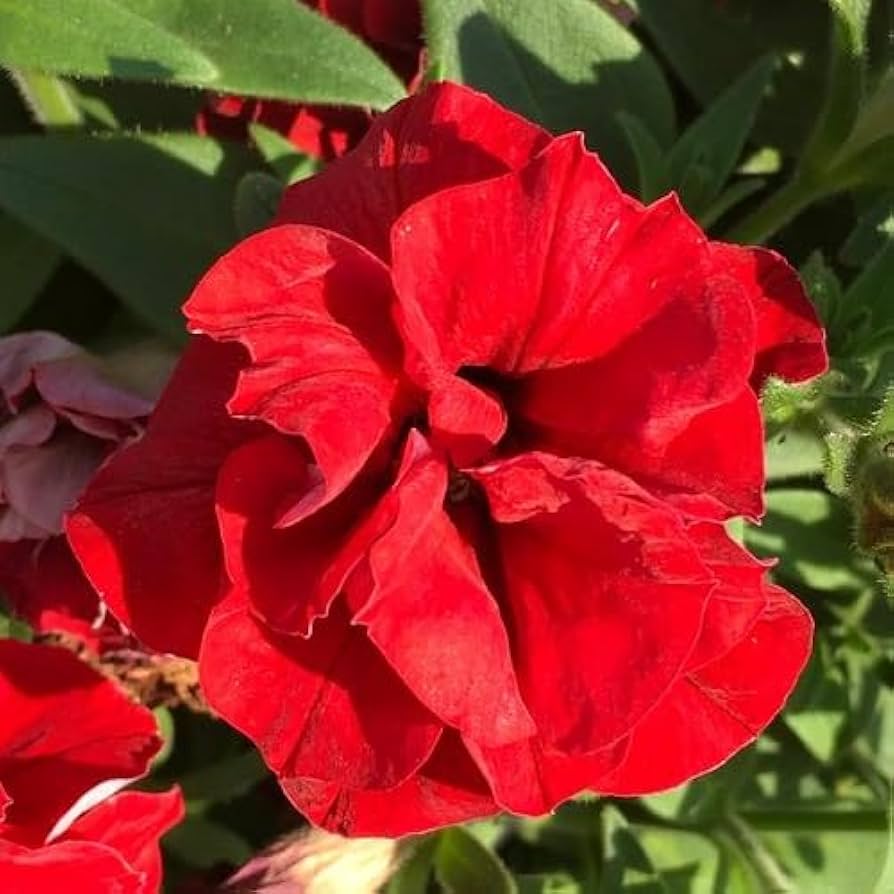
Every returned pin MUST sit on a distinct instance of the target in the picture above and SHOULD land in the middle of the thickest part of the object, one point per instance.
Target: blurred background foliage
(774, 121)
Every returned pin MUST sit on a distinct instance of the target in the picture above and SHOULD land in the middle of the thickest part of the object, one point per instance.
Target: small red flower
(392, 27)
(437, 493)
(62, 417)
(69, 741)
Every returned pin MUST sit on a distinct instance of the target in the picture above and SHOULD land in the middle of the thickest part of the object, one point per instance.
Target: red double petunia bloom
(437, 493)
(392, 27)
(69, 742)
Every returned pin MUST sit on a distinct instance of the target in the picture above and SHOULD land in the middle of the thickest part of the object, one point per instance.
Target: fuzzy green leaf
(567, 64)
(273, 48)
(147, 215)
(284, 159)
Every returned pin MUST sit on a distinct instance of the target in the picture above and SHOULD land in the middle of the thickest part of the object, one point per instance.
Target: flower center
(459, 487)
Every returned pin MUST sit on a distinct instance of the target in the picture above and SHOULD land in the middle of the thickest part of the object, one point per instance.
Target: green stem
(779, 209)
(770, 874)
(591, 881)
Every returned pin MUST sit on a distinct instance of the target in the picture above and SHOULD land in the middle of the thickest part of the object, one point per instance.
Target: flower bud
(317, 862)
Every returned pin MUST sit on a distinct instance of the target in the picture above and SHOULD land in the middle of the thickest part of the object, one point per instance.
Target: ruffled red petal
(443, 136)
(718, 709)
(131, 823)
(327, 707)
(529, 779)
(291, 574)
(791, 343)
(548, 266)
(75, 867)
(312, 309)
(65, 729)
(738, 599)
(670, 405)
(426, 607)
(604, 590)
(145, 530)
(447, 789)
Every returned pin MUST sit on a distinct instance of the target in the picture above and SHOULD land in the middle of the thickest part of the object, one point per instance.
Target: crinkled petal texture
(113, 849)
(455, 501)
(65, 730)
(78, 867)
(131, 823)
(442, 137)
(732, 707)
(69, 741)
(145, 529)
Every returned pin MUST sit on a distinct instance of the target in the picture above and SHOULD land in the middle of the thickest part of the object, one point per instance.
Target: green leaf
(146, 215)
(554, 883)
(872, 294)
(465, 866)
(415, 871)
(844, 84)
(795, 452)
(817, 711)
(704, 800)
(870, 166)
(568, 65)
(273, 48)
(204, 844)
(874, 231)
(224, 780)
(810, 532)
(823, 286)
(625, 862)
(876, 118)
(885, 883)
(288, 164)
(733, 195)
(257, 198)
(705, 156)
(765, 160)
(51, 101)
(829, 861)
(881, 733)
(26, 264)
(686, 862)
(651, 159)
(710, 44)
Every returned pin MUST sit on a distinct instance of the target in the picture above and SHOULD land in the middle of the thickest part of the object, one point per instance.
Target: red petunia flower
(69, 741)
(62, 417)
(437, 493)
(392, 27)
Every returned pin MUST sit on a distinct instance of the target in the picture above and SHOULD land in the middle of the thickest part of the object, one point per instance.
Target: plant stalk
(771, 875)
(778, 210)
